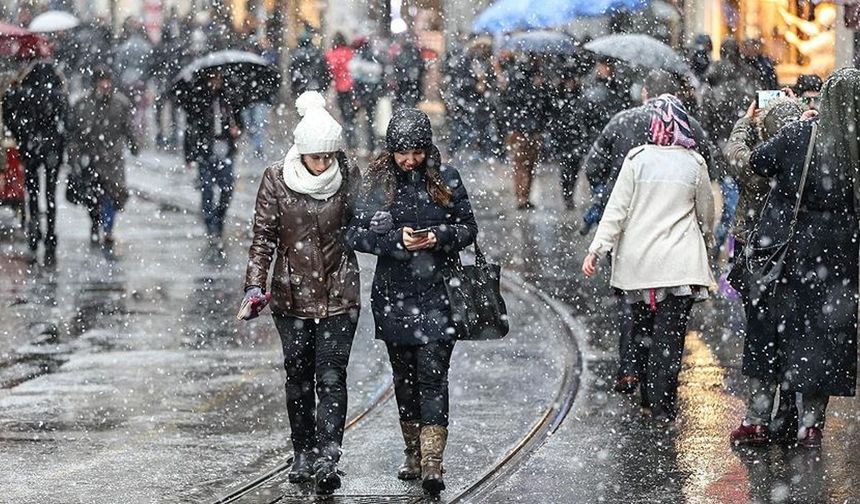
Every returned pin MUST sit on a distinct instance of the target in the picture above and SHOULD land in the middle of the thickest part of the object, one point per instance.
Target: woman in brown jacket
(301, 216)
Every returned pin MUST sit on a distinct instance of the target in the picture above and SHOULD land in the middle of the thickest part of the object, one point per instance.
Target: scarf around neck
(302, 181)
(670, 124)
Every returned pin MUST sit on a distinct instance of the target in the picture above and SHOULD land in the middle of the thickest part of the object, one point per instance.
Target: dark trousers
(34, 162)
(215, 173)
(630, 362)
(569, 173)
(421, 381)
(660, 335)
(346, 104)
(316, 354)
(368, 101)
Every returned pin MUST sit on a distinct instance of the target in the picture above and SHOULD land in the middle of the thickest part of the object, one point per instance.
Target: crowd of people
(651, 147)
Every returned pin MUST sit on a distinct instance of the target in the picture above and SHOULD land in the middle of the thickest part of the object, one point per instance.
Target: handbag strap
(480, 260)
(805, 172)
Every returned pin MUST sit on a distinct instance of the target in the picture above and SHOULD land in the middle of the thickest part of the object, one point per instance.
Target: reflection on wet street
(129, 376)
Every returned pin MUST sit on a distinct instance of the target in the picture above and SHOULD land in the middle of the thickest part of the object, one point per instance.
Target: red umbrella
(17, 42)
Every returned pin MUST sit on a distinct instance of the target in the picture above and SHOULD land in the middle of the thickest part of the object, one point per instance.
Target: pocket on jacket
(346, 281)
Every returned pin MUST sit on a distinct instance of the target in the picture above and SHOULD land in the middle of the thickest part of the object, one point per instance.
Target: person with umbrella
(212, 127)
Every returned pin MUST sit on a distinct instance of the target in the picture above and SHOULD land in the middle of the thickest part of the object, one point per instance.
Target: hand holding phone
(420, 232)
(764, 97)
(418, 239)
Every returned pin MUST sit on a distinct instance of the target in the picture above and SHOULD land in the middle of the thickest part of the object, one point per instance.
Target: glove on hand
(253, 302)
(381, 222)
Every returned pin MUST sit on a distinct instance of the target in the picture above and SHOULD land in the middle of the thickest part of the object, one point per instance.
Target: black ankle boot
(327, 476)
(302, 469)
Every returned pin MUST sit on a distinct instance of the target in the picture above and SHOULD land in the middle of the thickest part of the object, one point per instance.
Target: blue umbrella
(511, 15)
(542, 41)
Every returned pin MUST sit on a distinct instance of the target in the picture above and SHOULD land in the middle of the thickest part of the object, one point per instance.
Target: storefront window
(799, 35)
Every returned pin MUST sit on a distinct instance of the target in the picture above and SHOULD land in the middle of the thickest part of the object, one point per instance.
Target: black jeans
(216, 172)
(659, 335)
(421, 381)
(346, 104)
(316, 354)
(34, 161)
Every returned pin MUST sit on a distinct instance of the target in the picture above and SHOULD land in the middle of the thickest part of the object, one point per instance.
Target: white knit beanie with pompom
(317, 131)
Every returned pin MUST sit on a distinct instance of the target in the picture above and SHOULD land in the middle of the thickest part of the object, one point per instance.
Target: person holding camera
(414, 214)
(301, 216)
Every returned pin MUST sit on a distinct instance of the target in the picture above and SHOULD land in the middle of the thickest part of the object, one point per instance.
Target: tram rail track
(547, 423)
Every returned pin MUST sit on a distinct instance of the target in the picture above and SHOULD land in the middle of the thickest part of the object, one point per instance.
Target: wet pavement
(129, 380)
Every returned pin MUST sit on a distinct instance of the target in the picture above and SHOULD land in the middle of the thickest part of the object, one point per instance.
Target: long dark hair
(383, 171)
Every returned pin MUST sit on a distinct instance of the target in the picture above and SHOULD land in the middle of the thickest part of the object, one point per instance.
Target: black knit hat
(409, 129)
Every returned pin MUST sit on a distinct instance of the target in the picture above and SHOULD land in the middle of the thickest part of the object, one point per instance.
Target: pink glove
(253, 303)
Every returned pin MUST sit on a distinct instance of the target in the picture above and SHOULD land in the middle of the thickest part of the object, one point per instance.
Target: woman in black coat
(414, 214)
(815, 300)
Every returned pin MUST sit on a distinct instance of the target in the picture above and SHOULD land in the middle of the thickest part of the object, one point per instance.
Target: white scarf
(301, 180)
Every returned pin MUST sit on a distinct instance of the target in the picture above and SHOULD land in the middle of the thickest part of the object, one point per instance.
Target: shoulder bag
(478, 311)
(765, 264)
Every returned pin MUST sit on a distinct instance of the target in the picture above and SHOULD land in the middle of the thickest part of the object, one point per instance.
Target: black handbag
(478, 310)
(76, 190)
(765, 264)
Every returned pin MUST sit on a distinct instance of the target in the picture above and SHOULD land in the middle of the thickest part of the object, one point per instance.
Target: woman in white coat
(657, 224)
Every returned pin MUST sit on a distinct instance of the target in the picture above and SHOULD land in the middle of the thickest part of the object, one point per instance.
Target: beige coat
(659, 220)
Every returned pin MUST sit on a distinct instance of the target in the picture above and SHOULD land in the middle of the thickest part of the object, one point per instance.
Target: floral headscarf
(670, 124)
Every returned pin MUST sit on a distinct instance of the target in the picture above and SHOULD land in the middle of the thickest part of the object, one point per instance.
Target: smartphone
(764, 97)
(421, 232)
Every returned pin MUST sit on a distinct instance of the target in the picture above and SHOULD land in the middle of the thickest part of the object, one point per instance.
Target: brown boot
(433, 441)
(411, 467)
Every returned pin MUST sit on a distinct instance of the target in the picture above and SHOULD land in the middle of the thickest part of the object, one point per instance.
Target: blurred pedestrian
(212, 128)
(408, 75)
(569, 134)
(315, 285)
(626, 130)
(808, 90)
(751, 130)
(308, 68)
(763, 67)
(699, 54)
(414, 214)
(657, 224)
(133, 65)
(35, 111)
(815, 296)
(525, 100)
(100, 127)
(256, 115)
(368, 76)
(168, 58)
(338, 58)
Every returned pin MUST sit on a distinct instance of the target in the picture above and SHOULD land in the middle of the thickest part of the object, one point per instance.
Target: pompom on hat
(317, 131)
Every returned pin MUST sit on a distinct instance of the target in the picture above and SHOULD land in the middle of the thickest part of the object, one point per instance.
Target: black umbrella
(247, 78)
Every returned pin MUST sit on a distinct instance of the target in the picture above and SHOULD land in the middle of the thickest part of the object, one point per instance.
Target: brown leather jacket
(315, 275)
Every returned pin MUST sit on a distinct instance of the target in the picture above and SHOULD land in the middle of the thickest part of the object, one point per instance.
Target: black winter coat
(36, 112)
(409, 302)
(815, 301)
(626, 130)
(203, 137)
